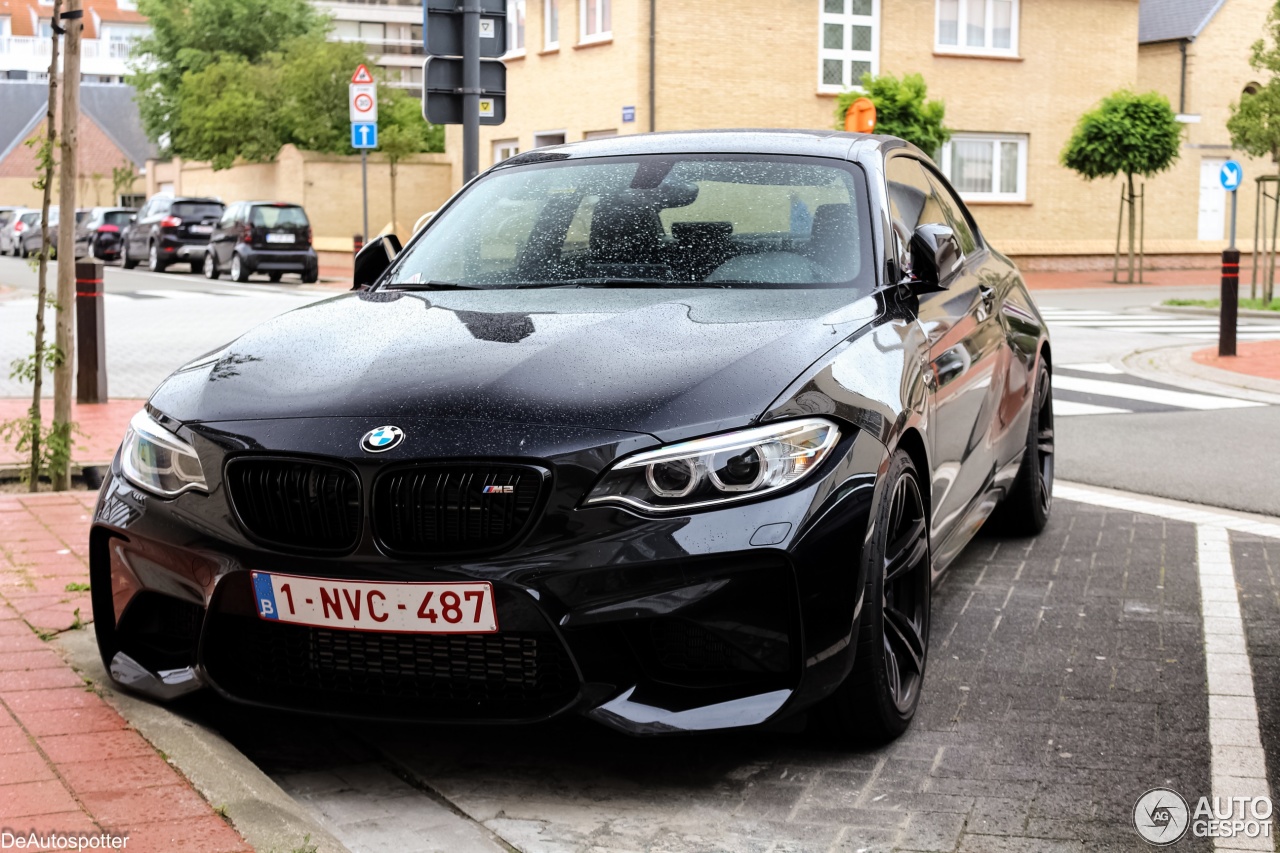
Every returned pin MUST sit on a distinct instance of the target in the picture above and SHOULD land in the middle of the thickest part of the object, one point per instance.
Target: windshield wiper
(618, 282)
(427, 285)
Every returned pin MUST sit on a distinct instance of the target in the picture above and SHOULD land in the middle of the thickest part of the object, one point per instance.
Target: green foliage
(313, 77)
(54, 456)
(77, 586)
(1254, 124)
(187, 36)
(901, 110)
(227, 110)
(122, 178)
(403, 131)
(1126, 134)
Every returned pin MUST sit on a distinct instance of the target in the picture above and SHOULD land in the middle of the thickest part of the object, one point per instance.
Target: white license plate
(279, 238)
(407, 608)
(201, 229)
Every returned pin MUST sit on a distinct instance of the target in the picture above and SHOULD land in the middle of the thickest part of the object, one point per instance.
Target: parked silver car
(11, 233)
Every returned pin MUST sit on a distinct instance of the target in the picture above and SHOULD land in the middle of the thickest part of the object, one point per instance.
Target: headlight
(157, 460)
(718, 470)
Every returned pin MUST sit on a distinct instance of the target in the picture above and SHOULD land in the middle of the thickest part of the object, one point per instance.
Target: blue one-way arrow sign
(364, 134)
(1231, 174)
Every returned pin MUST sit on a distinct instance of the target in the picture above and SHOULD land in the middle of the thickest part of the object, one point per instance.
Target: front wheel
(210, 266)
(878, 700)
(1025, 510)
(126, 261)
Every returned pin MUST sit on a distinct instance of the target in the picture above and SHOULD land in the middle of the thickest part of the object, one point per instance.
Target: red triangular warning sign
(362, 75)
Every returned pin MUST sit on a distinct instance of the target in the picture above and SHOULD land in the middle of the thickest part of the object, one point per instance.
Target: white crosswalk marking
(1192, 326)
(1145, 393)
(1068, 408)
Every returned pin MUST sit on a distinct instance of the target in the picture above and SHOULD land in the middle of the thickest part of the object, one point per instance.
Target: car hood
(664, 362)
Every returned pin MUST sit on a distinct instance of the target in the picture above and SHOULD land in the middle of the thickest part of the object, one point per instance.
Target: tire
(274, 277)
(211, 271)
(878, 699)
(238, 272)
(126, 262)
(1025, 510)
(310, 276)
(154, 263)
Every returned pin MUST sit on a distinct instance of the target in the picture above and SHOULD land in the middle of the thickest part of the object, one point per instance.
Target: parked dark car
(169, 230)
(269, 237)
(98, 235)
(674, 431)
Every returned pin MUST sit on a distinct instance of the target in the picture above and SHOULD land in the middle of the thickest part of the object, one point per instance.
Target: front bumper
(711, 620)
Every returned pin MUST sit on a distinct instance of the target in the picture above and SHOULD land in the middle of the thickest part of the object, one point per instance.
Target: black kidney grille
(441, 676)
(296, 503)
(454, 508)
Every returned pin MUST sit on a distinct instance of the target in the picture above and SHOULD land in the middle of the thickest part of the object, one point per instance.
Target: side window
(953, 211)
(145, 211)
(228, 216)
(159, 207)
(242, 213)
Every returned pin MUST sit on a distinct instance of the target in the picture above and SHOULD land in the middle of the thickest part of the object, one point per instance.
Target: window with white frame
(505, 149)
(515, 27)
(550, 24)
(987, 166)
(978, 26)
(595, 20)
(848, 42)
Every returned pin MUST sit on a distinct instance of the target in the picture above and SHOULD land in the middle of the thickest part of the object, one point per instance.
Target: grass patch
(1249, 304)
(77, 587)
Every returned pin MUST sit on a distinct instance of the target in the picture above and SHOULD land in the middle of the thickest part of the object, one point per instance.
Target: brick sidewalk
(1257, 358)
(1102, 278)
(68, 762)
(101, 427)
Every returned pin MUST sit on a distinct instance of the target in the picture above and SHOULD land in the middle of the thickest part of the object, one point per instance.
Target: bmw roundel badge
(381, 439)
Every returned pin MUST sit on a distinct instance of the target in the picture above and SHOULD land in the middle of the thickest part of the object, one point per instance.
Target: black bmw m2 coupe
(674, 431)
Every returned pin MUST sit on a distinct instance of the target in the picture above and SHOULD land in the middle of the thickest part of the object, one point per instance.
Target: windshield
(677, 220)
(117, 217)
(278, 216)
(196, 210)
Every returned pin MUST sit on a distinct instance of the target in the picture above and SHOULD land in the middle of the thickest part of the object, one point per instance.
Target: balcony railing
(404, 47)
(31, 53)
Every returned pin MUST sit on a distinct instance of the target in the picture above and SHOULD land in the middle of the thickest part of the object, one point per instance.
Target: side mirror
(935, 256)
(373, 260)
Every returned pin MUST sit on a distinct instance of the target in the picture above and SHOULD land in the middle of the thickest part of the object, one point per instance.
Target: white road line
(1070, 408)
(1100, 367)
(1238, 765)
(1185, 399)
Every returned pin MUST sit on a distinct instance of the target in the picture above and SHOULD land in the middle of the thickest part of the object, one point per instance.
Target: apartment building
(392, 31)
(1015, 76)
(110, 28)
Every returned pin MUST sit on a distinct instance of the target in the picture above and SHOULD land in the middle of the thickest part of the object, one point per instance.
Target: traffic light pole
(470, 89)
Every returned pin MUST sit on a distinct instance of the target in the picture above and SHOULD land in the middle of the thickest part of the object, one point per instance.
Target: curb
(264, 815)
(1173, 364)
(1213, 312)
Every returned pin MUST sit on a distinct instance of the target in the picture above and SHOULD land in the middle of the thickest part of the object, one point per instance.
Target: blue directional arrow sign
(364, 134)
(1231, 175)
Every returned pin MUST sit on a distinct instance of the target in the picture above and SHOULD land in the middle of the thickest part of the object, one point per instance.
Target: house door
(1213, 201)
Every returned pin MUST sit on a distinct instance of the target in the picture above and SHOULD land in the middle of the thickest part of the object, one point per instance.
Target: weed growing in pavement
(76, 623)
(52, 444)
(76, 586)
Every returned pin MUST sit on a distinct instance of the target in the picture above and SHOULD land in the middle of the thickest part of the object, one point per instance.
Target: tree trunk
(42, 288)
(1132, 227)
(64, 373)
(393, 197)
(1269, 277)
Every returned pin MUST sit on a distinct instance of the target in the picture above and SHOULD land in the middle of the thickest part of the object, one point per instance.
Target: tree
(405, 132)
(228, 109)
(1255, 123)
(1126, 134)
(901, 110)
(313, 77)
(187, 36)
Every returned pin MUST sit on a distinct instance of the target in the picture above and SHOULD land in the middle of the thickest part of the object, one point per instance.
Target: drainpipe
(1182, 85)
(653, 38)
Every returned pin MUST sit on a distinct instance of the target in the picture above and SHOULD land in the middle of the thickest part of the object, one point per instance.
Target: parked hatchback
(170, 230)
(262, 236)
(15, 221)
(98, 235)
(29, 238)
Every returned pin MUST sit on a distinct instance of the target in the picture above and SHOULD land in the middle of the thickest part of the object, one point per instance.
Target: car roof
(809, 143)
(272, 203)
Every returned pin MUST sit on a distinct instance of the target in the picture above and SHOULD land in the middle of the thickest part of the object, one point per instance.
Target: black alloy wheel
(879, 698)
(1025, 510)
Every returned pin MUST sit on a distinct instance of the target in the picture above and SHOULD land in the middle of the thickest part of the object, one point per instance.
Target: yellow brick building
(1015, 76)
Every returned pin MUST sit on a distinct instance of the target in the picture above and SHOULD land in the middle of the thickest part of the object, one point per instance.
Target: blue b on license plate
(465, 607)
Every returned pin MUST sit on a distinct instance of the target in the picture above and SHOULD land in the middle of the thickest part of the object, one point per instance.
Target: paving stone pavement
(1066, 678)
(1257, 564)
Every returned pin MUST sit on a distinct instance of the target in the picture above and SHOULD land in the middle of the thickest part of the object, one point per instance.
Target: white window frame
(845, 55)
(549, 43)
(962, 23)
(585, 37)
(505, 149)
(543, 134)
(1020, 195)
(513, 30)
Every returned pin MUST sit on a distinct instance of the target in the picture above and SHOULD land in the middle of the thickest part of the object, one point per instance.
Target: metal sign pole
(1231, 177)
(470, 89)
(364, 186)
